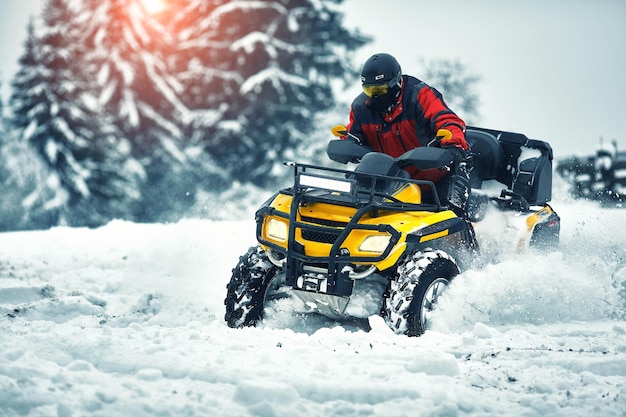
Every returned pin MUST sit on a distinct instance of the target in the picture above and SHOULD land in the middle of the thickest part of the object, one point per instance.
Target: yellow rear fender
(545, 215)
(540, 216)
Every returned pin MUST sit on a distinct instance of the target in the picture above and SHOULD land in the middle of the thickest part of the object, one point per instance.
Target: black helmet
(380, 73)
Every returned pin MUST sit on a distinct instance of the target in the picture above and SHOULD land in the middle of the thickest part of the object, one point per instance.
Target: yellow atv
(335, 231)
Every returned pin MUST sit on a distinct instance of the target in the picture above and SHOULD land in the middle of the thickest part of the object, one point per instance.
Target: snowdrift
(127, 320)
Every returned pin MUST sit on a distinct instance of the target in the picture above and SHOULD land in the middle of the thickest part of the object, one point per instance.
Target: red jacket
(414, 122)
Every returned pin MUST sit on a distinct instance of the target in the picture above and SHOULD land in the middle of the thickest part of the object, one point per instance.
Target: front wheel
(412, 295)
(246, 291)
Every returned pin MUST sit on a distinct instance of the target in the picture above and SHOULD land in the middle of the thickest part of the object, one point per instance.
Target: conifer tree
(133, 115)
(134, 87)
(89, 177)
(261, 70)
(2, 117)
(457, 83)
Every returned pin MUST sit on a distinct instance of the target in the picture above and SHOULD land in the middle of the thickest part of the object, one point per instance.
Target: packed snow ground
(127, 320)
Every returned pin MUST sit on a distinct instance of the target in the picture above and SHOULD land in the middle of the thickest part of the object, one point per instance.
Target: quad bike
(600, 177)
(335, 230)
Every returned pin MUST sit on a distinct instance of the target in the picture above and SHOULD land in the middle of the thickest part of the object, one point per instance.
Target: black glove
(458, 154)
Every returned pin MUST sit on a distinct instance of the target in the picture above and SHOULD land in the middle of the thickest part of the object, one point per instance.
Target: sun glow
(153, 6)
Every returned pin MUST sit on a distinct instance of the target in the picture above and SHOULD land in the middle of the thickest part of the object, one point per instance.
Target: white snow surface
(127, 320)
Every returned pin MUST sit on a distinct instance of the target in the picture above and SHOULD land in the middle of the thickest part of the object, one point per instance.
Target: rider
(396, 113)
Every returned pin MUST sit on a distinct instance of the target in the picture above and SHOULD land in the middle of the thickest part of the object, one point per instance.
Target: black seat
(487, 156)
(523, 165)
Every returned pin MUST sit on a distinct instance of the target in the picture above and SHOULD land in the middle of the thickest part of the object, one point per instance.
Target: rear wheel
(412, 295)
(248, 287)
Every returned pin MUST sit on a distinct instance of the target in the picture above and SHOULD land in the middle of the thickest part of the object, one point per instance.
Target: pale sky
(552, 69)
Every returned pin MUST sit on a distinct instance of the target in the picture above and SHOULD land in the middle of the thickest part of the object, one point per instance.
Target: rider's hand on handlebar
(458, 154)
(443, 136)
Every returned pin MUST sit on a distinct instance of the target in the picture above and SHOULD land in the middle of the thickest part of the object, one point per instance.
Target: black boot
(459, 191)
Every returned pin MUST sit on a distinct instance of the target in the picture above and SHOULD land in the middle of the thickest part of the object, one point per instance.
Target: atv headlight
(276, 229)
(375, 243)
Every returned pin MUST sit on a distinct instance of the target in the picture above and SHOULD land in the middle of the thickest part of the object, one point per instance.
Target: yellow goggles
(376, 90)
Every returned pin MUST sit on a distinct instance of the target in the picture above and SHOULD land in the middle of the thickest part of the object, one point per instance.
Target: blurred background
(154, 110)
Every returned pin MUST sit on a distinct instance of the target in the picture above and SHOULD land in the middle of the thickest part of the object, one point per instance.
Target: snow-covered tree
(2, 116)
(21, 173)
(123, 46)
(20, 170)
(134, 85)
(261, 71)
(458, 85)
(89, 176)
(140, 116)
